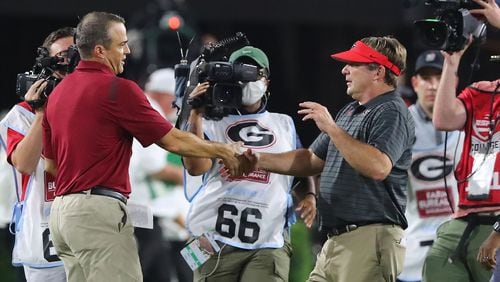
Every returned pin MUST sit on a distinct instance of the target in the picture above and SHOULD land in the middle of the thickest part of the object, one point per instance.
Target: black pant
(177, 265)
(9, 272)
(154, 253)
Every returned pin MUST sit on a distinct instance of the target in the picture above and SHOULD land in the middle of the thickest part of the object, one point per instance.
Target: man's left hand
(307, 209)
(487, 252)
(318, 113)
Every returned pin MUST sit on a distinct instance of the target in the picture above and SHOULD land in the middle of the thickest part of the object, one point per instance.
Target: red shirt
(481, 113)
(90, 120)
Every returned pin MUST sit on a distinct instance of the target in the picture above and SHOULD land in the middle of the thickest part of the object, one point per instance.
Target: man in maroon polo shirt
(90, 120)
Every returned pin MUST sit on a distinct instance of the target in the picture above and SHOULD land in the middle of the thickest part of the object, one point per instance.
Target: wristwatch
(496, 226)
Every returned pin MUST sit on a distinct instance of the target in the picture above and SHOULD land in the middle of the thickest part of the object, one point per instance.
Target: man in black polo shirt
(363, 156)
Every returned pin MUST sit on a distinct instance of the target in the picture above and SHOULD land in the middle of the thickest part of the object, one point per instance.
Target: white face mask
(253, 92)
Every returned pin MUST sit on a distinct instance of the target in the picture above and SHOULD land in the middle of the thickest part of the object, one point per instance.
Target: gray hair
(93, 30)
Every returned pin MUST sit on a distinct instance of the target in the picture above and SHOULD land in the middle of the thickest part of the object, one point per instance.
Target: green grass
(6, 268)
(302, 259)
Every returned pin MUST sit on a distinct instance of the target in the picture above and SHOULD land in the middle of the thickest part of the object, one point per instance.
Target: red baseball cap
(362, 53)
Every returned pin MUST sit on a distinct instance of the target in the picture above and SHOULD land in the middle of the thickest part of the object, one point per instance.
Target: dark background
(298, 36)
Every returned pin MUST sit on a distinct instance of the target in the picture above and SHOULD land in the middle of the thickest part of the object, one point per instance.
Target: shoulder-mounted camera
(452, 27)
(44, 68)
(225, 78)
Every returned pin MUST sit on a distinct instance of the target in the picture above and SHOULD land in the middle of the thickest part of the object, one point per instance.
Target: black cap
(429, 59)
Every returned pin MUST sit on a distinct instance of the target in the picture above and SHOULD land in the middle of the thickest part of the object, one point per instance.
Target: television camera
(225, 78)
(452, 27)
(44, 68)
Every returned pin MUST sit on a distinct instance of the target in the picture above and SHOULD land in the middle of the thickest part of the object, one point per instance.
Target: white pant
(52, 274)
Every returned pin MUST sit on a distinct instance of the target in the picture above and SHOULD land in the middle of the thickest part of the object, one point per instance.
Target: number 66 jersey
(251, 211)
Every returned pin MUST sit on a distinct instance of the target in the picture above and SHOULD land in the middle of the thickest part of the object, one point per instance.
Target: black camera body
(226, 72)
(25, 80)
(224, 78)
(225, 91)
(44, 68)
(452, 27)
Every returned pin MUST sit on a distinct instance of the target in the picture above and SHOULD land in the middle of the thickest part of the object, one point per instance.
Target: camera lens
(224, 96)
(435, 36)
(227, 95)
(434, 33)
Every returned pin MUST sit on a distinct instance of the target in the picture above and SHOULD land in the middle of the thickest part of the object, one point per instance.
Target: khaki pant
(240, 265)
(94, 238)
(370, 253)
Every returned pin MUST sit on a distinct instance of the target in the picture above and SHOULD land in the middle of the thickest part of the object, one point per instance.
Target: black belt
(480, 218)
(336, 231)
(107, 192)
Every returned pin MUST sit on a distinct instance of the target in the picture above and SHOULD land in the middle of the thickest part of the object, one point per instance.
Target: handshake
(237, 160)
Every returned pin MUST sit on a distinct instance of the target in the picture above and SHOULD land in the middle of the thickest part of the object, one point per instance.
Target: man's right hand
(235, 162)
(452, 59)
(490, 11)
(253, 158)
(199, 90)
(35, 90)
(35, 94)
(488, 249)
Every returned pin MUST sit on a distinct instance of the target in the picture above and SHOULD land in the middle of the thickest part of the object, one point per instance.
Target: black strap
(460, 252)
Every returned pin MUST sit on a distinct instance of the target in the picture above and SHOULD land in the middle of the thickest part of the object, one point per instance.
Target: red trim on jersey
(13, 138)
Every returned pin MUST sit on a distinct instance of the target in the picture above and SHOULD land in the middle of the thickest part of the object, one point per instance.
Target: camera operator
(89, 124)
(475, 111)
(33, 248)
(430, 203)
(258, 202)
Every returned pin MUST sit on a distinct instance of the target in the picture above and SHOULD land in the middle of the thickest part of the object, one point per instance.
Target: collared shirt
(345, 195)
(89, 123)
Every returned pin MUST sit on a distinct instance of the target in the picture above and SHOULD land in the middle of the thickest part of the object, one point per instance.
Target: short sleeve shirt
(346, 196)
(90, 120)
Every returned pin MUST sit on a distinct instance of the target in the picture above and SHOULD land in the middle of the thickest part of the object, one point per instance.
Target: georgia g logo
(430, 168)
(251, 133)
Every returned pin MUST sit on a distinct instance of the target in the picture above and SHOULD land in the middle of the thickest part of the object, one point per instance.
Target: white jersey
(7, 184)
(33, 245)
(428, 205)
(249, 212)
